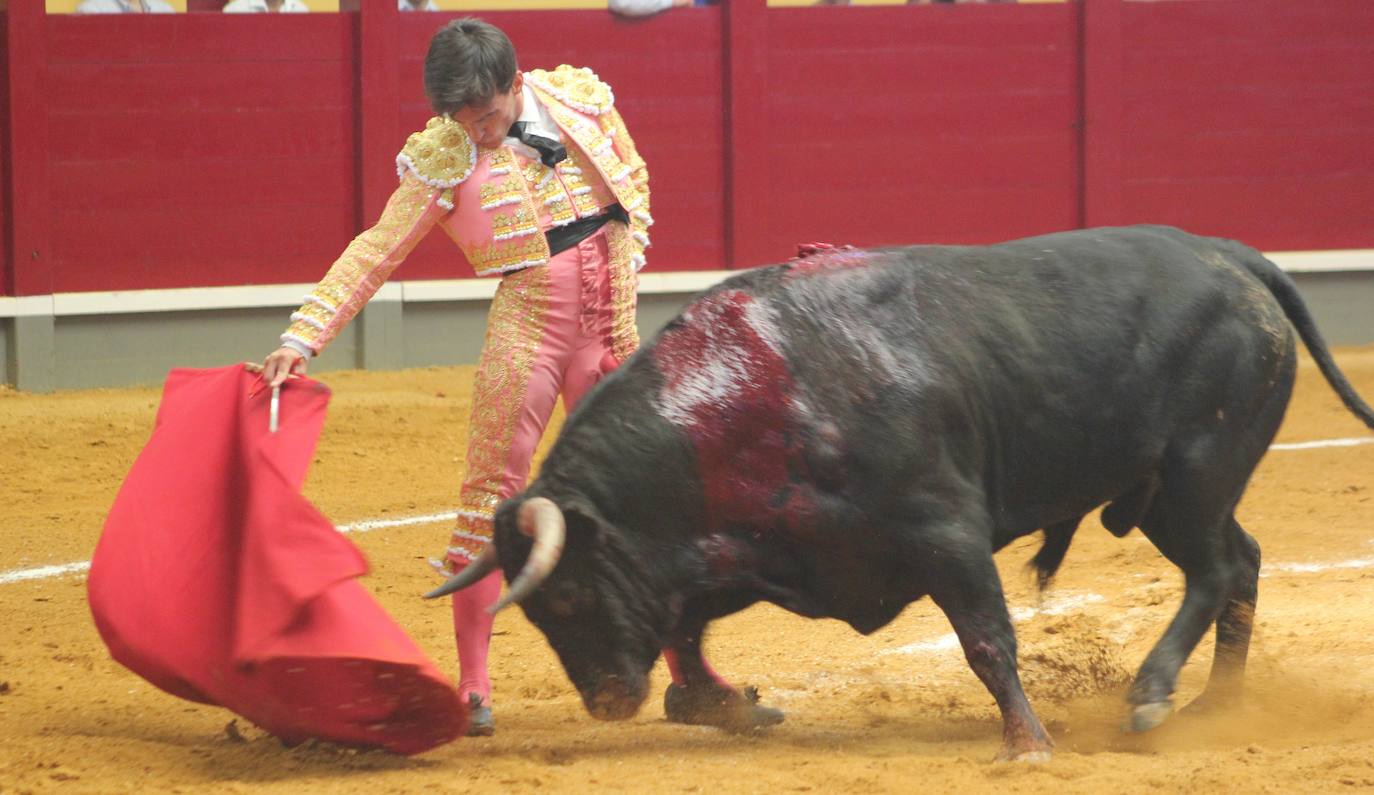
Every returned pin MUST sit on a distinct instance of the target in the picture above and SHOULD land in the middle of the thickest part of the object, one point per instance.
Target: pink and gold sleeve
(629, 154)
(640, 218)
(364, 266)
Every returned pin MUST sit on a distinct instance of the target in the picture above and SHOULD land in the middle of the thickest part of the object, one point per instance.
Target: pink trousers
(574, 351)
(548, 333)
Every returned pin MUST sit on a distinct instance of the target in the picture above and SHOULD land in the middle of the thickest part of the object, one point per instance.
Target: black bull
(844, 434)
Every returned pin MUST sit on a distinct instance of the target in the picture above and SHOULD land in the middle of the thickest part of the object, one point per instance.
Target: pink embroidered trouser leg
(549, 331)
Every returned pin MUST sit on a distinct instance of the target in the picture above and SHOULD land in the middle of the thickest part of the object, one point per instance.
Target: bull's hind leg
(966, 586)
(1190, 521)
(699, 696)
(1235, 623)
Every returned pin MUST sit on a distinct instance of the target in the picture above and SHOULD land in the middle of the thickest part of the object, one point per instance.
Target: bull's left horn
(540, 518)
(481, 566)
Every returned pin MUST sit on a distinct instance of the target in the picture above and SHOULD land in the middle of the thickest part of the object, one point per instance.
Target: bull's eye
(566, 599)
(562, 608)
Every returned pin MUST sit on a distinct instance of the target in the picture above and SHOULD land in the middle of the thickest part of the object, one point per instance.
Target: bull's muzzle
(540, 519)
(615, 698)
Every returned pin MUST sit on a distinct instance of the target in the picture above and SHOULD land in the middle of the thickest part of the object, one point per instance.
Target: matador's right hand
(279, 365)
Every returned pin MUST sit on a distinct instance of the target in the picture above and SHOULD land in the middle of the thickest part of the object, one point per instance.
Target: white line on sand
(43, 572)
(1324, 443)
(1056, 605)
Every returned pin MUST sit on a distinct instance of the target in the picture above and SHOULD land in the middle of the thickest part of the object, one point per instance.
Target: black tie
(551, 152)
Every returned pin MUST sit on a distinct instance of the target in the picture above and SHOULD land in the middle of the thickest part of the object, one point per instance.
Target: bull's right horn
(540, 518)
(481, 566)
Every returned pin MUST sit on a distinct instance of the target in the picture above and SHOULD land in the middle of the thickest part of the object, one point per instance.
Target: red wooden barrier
(884, 125)
(203, 149)
(30, 234)
(1251, 119)
(6, 246)
(1102, 58)
(200, 149)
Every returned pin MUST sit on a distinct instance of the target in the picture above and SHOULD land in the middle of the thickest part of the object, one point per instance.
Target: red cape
(215, 580)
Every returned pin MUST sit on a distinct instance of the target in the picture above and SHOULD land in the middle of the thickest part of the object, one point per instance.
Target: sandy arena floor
(897, 711)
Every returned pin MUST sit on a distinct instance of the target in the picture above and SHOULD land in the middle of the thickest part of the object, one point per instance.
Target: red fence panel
(888, 125)
(1251, 119)
(200, 150)
(206, 149)
(27, 169)
(6, 246)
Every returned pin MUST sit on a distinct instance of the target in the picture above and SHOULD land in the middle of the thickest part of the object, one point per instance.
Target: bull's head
(564, 573)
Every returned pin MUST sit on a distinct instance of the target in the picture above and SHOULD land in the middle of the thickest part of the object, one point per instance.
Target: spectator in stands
(646, 8)
(416, 5)
(536, 178)
(125, 7)
(912, 2)
(266, 7)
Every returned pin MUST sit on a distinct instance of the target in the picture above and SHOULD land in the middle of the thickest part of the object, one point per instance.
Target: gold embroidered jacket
(494, 203)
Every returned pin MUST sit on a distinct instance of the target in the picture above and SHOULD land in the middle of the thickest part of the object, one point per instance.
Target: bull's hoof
(1147, 716)
(1025, 743)
(1212, 701)
(720, 706)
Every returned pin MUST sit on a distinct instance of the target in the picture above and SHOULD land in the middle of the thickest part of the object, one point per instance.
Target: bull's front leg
(969, 590)
(699, 696)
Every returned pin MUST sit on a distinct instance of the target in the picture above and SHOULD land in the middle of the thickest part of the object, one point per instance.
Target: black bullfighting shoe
(719, 705)
(480, 723)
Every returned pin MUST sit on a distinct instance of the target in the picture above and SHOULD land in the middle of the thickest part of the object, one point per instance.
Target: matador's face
(487, 124)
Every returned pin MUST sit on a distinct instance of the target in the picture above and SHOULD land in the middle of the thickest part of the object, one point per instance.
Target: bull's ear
(585, 523)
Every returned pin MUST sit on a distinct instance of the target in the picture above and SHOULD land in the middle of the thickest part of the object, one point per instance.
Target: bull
(848, 432)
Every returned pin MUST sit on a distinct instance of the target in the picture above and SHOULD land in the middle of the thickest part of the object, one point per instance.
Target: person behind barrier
(266, 7)
(647, 8)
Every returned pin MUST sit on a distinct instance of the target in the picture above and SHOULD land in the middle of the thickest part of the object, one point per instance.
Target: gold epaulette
(441, 156)
(578, 88)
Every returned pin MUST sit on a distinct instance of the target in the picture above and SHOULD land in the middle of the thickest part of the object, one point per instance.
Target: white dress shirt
(123, 7)
(260, 7)
(638, 8)
(541, 123)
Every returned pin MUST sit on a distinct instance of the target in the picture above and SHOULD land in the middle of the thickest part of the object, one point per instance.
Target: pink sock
(472, 630)
(681, 679)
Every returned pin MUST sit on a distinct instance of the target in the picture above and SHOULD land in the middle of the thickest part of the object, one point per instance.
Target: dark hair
(469, 62)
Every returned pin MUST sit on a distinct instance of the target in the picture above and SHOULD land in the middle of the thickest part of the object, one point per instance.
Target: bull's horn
(541, 519)
(480, 567)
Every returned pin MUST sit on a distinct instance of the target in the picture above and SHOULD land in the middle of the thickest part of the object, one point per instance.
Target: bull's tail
(1286, 293)
(1046, 561)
